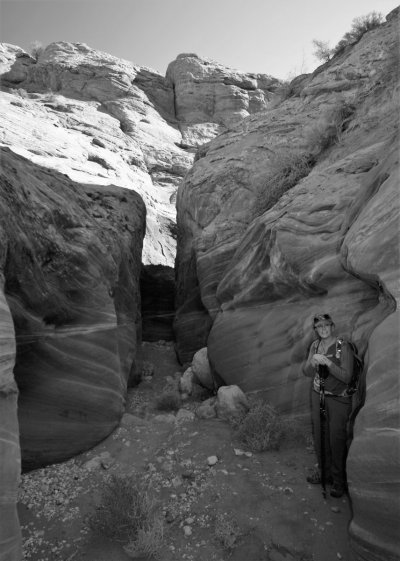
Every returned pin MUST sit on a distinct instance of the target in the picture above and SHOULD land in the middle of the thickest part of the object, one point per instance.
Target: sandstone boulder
(186, 382)
(207, 410)
(231, 402)
(201, 369)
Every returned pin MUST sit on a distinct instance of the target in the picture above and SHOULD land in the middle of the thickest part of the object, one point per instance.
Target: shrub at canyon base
(261, 429)
(169, 401)
(128, 513)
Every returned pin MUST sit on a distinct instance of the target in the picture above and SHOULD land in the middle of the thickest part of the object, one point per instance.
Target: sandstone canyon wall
(79, 119)
(90, 144)
(10, 464)
(103, 120)
(255, 264)
(71, 269)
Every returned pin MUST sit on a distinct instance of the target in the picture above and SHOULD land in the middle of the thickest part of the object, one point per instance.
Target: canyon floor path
(268, 509)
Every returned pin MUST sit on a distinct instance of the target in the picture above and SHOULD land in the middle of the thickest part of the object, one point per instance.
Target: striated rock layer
(72, 267)
(10, 464)
(254, 264)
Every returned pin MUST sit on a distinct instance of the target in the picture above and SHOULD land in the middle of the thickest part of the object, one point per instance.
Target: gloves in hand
(323, 371)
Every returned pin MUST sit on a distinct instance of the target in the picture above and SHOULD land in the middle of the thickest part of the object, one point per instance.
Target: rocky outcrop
(292, 213)
(10, 465)
(102, 120)
(72, 267)
(208, 95)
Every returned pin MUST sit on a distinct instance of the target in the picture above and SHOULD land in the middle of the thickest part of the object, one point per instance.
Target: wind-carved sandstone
(84, 156)
(72, 267)
(250, 279)
(10, 465)
(91, 144)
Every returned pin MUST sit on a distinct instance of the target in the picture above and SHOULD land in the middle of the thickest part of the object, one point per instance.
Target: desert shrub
(359, 27)
(261, 429)
(227, 530)
(322, 51)
(169, 400)
(36, 49)
(327, 130)
(149, 540)
(286, 170)
(126, 510)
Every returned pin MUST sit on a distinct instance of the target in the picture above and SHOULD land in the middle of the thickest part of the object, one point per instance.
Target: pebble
(212, 460)
(187, 531)
(335, 509)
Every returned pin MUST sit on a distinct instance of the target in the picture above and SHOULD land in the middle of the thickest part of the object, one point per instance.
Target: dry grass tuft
(128, 512)
(170, 400)
(328, 129)
(287, 168)
(261, 429)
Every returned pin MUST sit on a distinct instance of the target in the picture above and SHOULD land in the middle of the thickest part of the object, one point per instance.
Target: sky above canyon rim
(264, 36)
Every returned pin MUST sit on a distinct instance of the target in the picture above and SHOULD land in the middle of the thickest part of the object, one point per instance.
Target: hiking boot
(315, 479)
(337, 490)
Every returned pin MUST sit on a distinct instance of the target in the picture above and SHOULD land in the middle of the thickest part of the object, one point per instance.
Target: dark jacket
(340, 371)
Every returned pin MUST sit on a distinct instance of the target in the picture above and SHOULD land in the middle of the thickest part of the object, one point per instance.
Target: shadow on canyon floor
(277, 516)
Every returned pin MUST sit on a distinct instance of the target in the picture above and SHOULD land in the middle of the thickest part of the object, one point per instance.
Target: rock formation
(293, 212)
(103, 120)
(10, 465)
(71, 268)
(89, 137)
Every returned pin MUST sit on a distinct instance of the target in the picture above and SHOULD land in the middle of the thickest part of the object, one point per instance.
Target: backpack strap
(339, 344)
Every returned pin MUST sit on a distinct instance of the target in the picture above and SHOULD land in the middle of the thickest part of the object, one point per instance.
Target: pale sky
(266, 36)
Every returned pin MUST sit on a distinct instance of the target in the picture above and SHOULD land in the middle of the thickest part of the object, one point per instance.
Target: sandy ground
(274, 514)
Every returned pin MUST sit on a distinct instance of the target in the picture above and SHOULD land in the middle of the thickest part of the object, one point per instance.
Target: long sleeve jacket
(340, 370)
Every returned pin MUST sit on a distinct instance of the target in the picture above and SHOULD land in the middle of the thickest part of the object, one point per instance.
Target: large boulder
(231, 403)
(201, 369)
(72, 267)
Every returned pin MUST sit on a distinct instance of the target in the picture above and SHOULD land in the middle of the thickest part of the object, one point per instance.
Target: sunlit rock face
(103, 120)
(208, 95)
(72, 267)
(256, 273)
(10, 465)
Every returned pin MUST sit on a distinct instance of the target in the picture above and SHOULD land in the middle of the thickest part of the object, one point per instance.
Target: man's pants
(335, 431)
